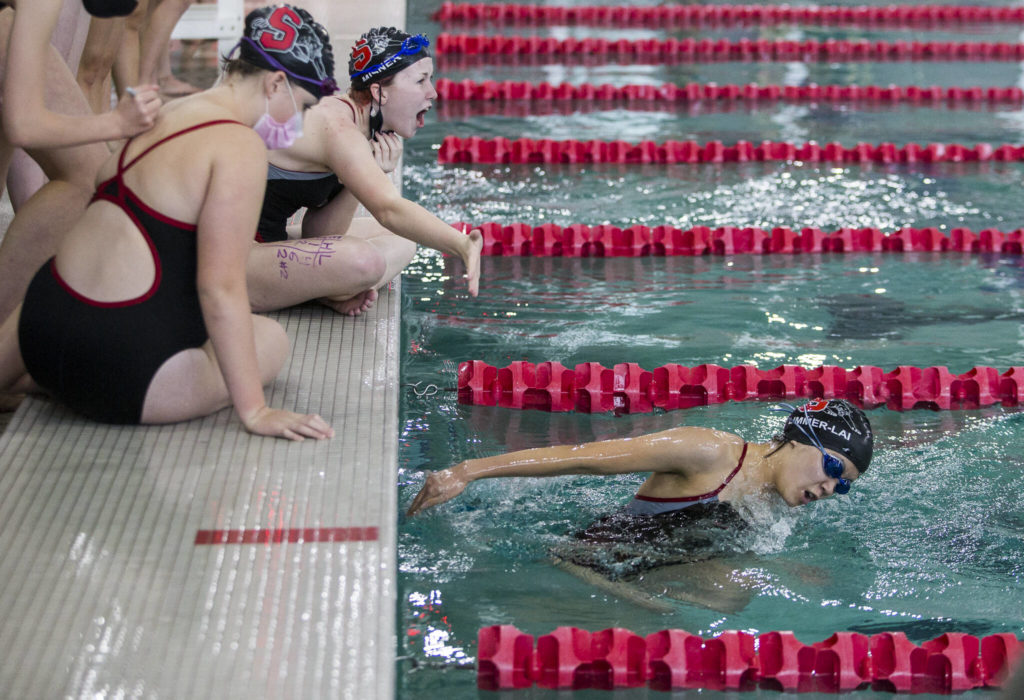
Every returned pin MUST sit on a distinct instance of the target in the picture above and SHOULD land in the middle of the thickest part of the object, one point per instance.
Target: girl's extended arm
(336, 216)
(350, 156)
(28, 122)
(683, 451)
(226, 221)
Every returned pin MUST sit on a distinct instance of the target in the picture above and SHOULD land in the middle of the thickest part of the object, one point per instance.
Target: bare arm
(685, 451)
(336, 216)
(350, 156)
(228, 216)
(28, 123)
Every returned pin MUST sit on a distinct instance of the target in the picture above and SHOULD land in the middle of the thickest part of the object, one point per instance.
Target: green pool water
(928, 541)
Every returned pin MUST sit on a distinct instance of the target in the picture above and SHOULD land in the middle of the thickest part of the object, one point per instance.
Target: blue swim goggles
(410, 47)
(832, 466)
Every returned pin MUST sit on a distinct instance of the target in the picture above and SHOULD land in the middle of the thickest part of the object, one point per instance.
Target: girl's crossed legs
(343, 272)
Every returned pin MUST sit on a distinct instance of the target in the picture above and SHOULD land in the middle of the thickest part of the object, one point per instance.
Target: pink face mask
(274, 133)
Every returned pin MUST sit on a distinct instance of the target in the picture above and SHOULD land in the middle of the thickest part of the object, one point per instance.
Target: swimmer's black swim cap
(384, 51)
(287, 38)
(838, 425)
(110, 8)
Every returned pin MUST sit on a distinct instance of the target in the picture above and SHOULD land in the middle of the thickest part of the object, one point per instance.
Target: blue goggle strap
(410, 47)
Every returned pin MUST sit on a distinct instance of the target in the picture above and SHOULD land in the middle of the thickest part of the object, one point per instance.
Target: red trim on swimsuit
(120, 201)
(703, 496)
(349, 105)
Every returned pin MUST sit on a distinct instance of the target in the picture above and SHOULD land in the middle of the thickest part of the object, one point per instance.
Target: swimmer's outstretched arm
(686, 451)
(348, 154)
(28, 122)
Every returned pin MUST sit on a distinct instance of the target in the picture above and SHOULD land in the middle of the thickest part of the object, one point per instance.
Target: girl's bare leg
(156, 38)
(97, 59)
(126, 64)
(36, 232)
(190, 384)
(342, 272)
(24, 178)
(14, 379)
(40, 224)
(71, 33)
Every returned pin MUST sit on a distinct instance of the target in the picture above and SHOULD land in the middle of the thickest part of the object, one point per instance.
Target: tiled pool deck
(196, 560)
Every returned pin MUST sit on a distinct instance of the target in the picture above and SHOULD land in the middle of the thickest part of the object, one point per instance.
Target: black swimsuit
(650, 533)
(291, 190)
(287, 192)
(99, 358)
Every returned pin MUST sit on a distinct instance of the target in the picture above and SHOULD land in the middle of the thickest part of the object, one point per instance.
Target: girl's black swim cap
(384, 51)
(288, 39)
(838, 425)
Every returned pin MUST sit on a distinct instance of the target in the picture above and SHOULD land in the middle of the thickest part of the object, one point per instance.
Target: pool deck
(196, 560)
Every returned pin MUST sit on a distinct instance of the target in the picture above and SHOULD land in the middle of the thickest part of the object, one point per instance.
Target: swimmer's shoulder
(328, 125)
(223, 138)
(336, 107)
(704, 449)
(230, 139)
(333, 115)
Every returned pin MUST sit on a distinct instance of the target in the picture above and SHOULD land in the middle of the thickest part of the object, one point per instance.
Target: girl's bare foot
(352, 306)
(172, 87)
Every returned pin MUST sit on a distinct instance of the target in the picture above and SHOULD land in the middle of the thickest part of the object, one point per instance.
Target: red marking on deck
(287, 534)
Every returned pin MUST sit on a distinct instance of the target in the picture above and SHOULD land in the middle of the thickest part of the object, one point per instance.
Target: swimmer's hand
(439, 487)
(471, 257)
(387, 150)
(274, 422)
(137, 109)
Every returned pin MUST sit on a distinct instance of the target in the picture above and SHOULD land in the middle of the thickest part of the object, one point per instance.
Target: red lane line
(287, 534)
(507, 90)
(554, 50)
(920, 16)
(604, 240)
(474, 149)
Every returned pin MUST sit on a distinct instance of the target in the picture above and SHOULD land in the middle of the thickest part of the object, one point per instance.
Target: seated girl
(336, 165)
(143, 315)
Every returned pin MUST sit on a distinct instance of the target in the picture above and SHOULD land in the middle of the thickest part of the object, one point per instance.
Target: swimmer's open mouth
(808, 497)
(421, 118)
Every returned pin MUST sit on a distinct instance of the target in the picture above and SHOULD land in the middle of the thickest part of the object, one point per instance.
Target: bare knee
(368, 266)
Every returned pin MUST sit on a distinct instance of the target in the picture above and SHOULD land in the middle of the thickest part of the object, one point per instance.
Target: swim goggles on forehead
(410, 47)
(327, 86)
(832, 465)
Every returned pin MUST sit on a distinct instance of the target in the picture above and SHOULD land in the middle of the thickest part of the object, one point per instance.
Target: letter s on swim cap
(110, 8)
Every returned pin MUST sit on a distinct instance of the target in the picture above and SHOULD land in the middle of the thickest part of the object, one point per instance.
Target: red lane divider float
(570, 657)
(582, 241)
(491, 90)
(752, 15)
(688, 49)
(590, 387)
(502, 150)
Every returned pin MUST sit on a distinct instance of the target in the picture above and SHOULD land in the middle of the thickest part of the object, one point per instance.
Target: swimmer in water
(698, 474)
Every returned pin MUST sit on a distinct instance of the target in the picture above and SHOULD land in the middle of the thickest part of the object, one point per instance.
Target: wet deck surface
(196, 560)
